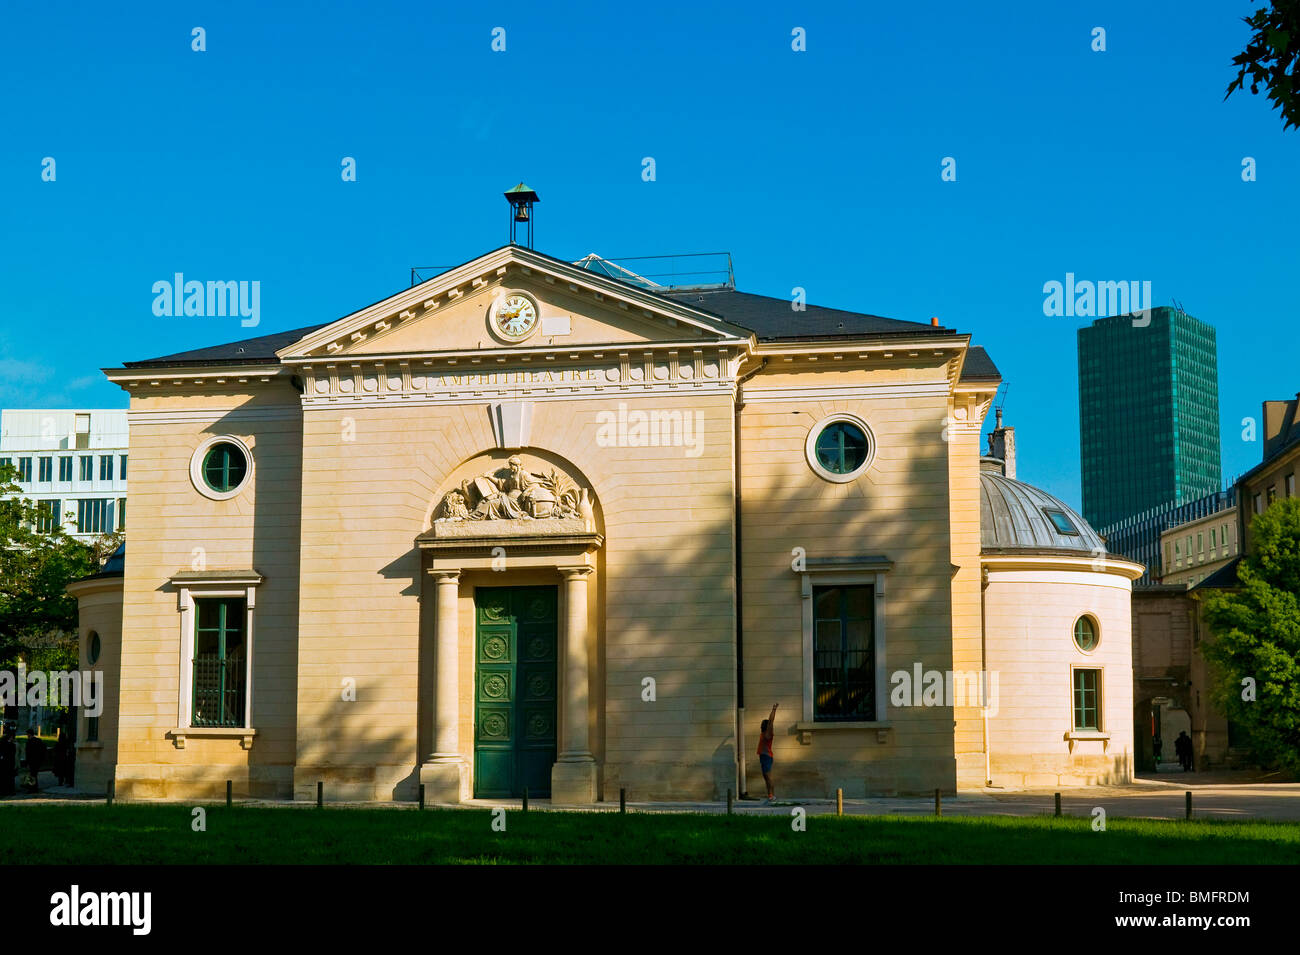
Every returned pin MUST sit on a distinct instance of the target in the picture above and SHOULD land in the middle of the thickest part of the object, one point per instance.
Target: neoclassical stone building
(525, 525)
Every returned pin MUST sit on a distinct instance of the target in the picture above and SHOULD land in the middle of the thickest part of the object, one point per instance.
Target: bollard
(320, 794)
(839, 802)
(112, 786)
(525, 799)
(938, 803)
(728, 802)
(622, 799)
(230, 792)
(421, 795)
(1189, 804)
(1058, 804)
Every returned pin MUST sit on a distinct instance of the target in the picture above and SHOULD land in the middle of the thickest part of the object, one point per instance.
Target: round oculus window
(221, 467)
(224, 467)
(1085, 634)
(840, 448)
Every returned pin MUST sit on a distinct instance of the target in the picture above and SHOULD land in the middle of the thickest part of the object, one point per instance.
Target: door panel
(515, 690)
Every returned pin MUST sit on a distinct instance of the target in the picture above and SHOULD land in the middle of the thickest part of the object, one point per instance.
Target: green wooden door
(515, 690)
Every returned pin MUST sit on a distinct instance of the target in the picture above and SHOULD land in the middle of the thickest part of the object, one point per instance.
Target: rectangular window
(1259, 507)
(83, 431)
(1225, 535)
(65, 468)
(6, 462)
(106, 467)
(92, 729)
(121, 472)
(87, 468)
(844, 653)
(219, 662)
(45, 469)
(1290, 485)
(47, 516)
(92, 516)
(1087, 700)
(121, 513)
(1272, 493)
(1214, 534)
(1200, 544)
(24, 469)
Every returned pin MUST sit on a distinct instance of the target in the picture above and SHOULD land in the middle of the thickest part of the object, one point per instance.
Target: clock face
(514, 316)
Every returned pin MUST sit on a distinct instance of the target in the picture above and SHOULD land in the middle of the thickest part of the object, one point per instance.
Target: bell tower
(521, 200)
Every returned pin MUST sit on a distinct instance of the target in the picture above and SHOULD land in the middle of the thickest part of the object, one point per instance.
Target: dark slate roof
(770, 319)
(250, 351)
(1012, 521)
(774, 319)
(979, 365)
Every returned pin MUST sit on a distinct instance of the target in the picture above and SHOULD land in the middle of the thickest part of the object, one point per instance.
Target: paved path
(1159, 797)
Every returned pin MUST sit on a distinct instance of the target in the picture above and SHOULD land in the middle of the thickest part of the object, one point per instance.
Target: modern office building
(1148, 415)
(72, 463)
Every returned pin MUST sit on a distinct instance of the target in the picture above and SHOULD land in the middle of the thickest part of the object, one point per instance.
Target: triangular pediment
(453, 314)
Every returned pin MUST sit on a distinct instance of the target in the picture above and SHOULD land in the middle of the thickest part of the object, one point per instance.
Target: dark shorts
(765, 761)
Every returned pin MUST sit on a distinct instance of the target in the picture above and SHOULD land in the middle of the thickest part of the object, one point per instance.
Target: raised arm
(771, 720)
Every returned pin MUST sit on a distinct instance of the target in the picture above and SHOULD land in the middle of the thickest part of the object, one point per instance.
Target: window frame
(106, 467)
(831, 572)
(236, 585)
(842, 678)
(199, 457)
(86, 468)
(1096, 632)
(226, 627)
(1100, 728)
(65, 467)
(815, 432)
(86, 506)
(49, 509)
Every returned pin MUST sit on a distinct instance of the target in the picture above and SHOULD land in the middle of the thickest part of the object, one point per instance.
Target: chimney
(1002, 445)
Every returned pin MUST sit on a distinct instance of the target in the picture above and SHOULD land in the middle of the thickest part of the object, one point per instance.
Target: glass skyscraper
(1148, 414)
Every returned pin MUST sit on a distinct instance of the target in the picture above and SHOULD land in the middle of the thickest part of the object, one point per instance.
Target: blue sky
(818, 169)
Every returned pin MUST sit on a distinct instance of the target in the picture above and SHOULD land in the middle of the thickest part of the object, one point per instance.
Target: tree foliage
(1272, 58)
(1256, 637)
(35, 567)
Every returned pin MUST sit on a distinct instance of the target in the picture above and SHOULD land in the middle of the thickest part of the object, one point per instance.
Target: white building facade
(72, 463)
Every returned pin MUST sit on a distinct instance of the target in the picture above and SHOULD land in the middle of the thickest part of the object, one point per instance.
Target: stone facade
(646, 457)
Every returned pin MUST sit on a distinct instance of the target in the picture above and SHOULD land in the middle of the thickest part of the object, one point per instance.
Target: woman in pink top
(765, 736)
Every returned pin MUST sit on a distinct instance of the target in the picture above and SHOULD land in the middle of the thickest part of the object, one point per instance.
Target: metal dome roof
(1018, 518)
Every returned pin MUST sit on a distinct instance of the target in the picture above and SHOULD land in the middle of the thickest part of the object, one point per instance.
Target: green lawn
(131, 834)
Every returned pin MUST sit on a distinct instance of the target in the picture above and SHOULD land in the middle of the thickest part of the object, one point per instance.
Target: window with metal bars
(220, 671)
(844, 653)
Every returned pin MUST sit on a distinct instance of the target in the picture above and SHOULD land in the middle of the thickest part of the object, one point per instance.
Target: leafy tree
(1272, 58)
(1256, 637)
(35, 567)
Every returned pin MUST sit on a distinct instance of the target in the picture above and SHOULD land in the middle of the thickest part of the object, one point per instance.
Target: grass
(163, 834)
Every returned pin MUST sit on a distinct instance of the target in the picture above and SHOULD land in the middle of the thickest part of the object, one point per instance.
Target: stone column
(443, 773)
(573, 778)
